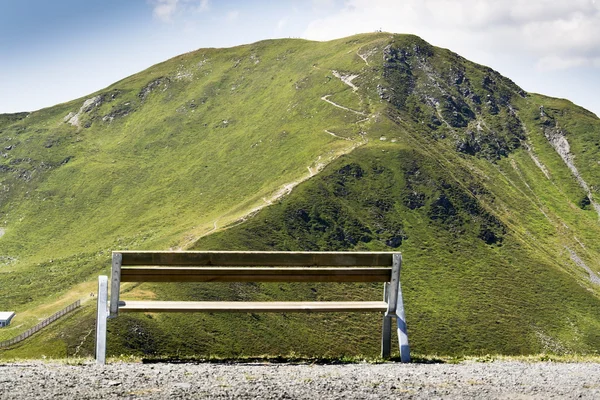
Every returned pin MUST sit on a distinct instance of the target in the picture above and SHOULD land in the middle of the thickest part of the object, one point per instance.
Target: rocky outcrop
(74, 118)
(594, 278)
(557, 138)
(153, 85)
(431, 89)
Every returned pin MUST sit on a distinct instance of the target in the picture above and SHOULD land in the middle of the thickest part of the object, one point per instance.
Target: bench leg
(101, 318)
(386, 331)
(403, 340)
(386, 337)
(402, 331)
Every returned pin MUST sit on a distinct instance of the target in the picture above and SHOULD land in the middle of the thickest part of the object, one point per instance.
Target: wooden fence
(41, 325)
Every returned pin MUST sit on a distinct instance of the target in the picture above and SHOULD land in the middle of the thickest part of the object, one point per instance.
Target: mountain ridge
(387, 142)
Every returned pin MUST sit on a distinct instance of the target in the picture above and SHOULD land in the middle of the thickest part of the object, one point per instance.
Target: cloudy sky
(53, 51)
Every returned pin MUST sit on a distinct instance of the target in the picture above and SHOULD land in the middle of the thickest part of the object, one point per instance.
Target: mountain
(372, 142)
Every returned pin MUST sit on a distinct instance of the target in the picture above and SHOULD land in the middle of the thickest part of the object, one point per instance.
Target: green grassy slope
(463, 294)
(496, 231)
(398, 145)
(160, 158)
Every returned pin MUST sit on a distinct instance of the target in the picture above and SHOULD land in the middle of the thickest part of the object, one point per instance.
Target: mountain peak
(372, 142)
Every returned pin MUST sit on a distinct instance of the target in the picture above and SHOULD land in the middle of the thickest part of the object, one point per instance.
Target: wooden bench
(239, 266)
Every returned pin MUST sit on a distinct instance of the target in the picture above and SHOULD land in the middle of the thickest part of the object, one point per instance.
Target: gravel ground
(469, 380)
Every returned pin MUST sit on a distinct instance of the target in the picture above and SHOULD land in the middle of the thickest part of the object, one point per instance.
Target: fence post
(101, 320)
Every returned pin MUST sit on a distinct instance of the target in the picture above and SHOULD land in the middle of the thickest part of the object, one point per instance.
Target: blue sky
(59, 50)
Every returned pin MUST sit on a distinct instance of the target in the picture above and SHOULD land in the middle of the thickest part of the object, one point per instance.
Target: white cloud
(552, 63)
(166, 10)
(232, 16)
(203, 6)
(282, 23)
(323, 4)
(557, 33)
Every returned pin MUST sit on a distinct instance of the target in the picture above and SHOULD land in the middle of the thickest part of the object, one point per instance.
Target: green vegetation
(157, 160)
(465, 271)
(393, 145)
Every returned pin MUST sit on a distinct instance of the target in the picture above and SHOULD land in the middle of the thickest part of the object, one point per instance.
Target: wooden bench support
(115, 277)
(227, 266)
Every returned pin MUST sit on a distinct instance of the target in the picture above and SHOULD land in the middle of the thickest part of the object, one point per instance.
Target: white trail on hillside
(347, 79)
(313, 169)
(536, 161)
(337, 136)
(283, 191)
(364, 57)
(326, 98)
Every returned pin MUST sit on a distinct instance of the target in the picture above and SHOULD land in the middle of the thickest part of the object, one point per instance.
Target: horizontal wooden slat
(237, 306)
(256, 258)
(227, 274)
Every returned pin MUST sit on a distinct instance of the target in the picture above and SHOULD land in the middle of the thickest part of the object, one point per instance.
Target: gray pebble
(467, 380)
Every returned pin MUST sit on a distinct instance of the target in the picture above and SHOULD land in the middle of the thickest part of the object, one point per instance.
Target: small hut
(5, 317)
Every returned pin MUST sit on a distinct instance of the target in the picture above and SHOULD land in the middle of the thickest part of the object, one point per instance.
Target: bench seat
(252, 306)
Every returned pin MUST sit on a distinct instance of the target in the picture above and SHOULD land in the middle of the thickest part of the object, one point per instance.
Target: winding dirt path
(364, 57)
(313, 169)
(326, 98)
(347, 79)
(337, 136)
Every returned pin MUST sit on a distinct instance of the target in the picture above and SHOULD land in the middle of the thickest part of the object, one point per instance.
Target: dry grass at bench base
(297, 359)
